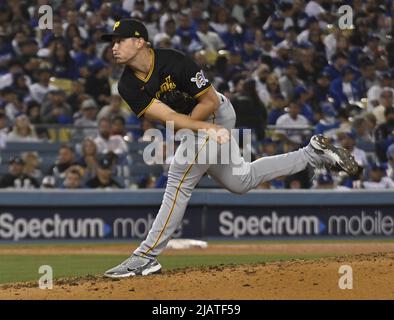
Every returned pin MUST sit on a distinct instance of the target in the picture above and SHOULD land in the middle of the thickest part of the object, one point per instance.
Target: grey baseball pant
(183, 177)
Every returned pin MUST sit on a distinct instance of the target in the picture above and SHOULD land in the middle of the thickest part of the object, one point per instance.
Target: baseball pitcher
(166, 85)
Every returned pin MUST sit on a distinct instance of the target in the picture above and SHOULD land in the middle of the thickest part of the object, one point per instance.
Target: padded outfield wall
(127, 215)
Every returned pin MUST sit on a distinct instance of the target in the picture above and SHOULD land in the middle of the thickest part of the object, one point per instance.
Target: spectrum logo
(268, 225)
(375, 224)
(58, 227)
(51, 228)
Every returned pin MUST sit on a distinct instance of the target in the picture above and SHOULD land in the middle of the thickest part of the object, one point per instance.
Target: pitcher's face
(125, 49)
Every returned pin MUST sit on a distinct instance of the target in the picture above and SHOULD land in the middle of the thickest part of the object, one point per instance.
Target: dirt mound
(373, 278)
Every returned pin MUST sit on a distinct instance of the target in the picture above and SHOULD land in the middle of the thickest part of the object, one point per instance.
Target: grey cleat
(134, 266)
(331, 155)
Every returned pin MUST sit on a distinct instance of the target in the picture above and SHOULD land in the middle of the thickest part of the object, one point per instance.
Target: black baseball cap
(126, 28)
(105, 162)
(17, 160)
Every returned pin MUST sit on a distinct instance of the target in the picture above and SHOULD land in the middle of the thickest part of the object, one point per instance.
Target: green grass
(16, 268)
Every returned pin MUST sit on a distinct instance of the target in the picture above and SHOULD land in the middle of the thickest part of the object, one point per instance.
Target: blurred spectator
(384, 135)
(328, 124)
(386, 101)
(269, 147)
(292, 120)
(186, 27)
(170, 33)
(274, 27)
(145, 126)
(63, 65)
(219, 20)
(364, 133)
(278, 104)
(147, 182)
(325, 181)
(6, 51)
(87, 124)
(40, 89)
(320, 89)
(77, 95)
(250, 54)
(72, 19)
(104, 178)
(3, 128)
(15, 178)
(299, 180)
(272, 88)
(302, 96)
(113, 109)
(12, 104)
(32, 164)
(65, 159)
(368, 77)
(260, 77)
(315, 9)
(118, 125)
(209, 39)
(343, 89)
(88, 157)
(13, 68)
(55, 109)
(72, 180)
(33, 113)
(311, 62)
(109, 143)
(97, 84)
(390, 161)
(374, 93)
(22, 130)
(20, 86)
(377, 179)
(338, 61)
(289, 80)
(348, 141)
(250, 111)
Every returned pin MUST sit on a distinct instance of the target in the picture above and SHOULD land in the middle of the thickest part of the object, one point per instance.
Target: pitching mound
(373, 278)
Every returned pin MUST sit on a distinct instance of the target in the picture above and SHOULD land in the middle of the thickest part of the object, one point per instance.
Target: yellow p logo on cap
(117, 23)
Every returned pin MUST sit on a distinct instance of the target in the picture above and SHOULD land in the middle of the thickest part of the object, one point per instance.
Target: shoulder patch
(199, 79)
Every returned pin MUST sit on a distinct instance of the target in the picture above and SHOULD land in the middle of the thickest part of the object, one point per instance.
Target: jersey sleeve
(137, 99)
(193, 79)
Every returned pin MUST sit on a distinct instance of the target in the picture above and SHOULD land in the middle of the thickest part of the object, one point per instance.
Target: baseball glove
(179, 101)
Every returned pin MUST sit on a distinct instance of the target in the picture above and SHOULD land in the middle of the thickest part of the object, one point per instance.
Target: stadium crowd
(287, 66)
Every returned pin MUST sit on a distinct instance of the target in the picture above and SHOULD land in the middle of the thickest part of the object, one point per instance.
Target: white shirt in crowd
(114, 144)
(38, 91)
(330, 43)
(313, 9)
(295, 136)
(360, 156)
(385, 183)
(374, 95)
(378, 112)
(210, 40)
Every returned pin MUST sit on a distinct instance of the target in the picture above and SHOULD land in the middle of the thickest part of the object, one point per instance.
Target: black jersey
(170, 69)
